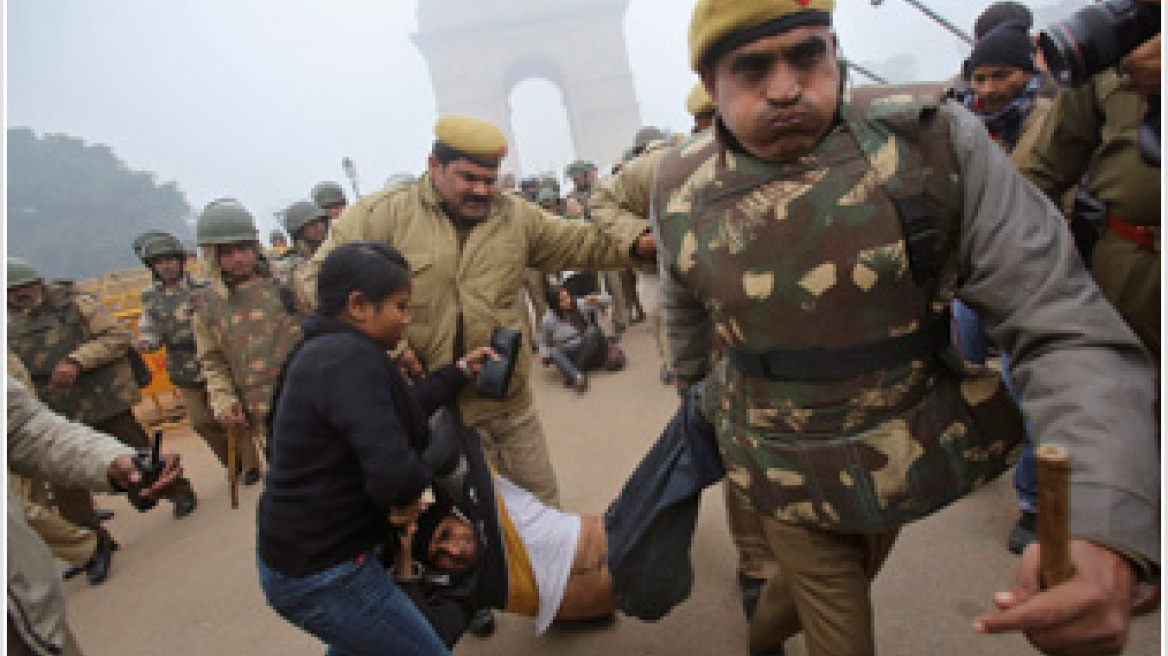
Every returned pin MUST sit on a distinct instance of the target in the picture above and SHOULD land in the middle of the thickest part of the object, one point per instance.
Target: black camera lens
(1096, 37)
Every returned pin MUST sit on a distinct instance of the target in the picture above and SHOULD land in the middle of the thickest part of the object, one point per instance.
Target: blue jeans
(355, 608)
(973, 344)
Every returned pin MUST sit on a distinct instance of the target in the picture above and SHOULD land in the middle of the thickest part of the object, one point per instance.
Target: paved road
(186, 588)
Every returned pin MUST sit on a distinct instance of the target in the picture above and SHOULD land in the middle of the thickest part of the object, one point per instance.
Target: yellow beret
(472, 136)
(714, 22)
(698, 102)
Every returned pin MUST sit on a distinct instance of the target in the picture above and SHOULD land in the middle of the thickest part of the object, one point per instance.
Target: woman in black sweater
(344, 462)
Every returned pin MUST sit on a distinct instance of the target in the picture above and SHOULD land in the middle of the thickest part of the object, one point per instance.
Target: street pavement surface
(189, 587)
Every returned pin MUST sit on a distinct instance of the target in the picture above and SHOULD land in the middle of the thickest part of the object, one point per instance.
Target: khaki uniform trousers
(755, 559)
(71, 543)
(76, 506)
(620, 303)
(204, 423)
(536, 284)
(1130, 279)
(17, 646)
(649, 290)
(822, 588)
(516, 447)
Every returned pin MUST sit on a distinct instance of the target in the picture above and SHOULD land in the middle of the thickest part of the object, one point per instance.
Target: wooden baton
(232, 460)
(1054, 532)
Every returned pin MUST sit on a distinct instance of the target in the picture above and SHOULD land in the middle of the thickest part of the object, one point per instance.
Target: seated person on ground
(571, 337)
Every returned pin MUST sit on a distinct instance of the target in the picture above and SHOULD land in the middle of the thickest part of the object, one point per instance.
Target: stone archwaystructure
(478, 51)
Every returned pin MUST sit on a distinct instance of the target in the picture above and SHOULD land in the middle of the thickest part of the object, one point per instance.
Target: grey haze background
(260, 100)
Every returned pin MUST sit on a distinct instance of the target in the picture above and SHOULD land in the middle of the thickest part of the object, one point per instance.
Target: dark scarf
(1005, 125)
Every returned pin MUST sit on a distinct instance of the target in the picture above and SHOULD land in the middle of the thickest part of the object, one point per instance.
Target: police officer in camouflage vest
(330, 197)
(167, 315)
(245, 324)
(819, 235)
(76, 353)
(308, 224)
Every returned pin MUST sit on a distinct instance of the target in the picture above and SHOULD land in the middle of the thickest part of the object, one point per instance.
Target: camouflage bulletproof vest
(284, 267)
(810, 257)
(170, 310)
(43, 338)
(255, 329)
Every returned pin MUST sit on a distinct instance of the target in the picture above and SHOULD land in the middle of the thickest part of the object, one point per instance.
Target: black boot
(251, 476)
(98, 567)
(1023, 533)
(483, 623)
(750, 588)
(184, 506)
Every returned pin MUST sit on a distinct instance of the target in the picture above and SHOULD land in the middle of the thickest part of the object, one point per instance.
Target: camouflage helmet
(155, 243)
(225, 221)
(21, 273)
(546, 194)
(578, 168)
(549, 181)
(300, 214)
(647, 135)
(328, 194)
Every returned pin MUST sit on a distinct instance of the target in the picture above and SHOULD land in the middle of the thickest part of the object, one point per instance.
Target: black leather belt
(843, 362)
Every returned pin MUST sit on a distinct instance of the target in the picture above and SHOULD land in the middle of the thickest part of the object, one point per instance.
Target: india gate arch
(479, 51)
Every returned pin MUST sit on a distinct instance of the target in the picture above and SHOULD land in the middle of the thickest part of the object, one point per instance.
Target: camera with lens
(496, 374)
(150, 465)
(1096, 38)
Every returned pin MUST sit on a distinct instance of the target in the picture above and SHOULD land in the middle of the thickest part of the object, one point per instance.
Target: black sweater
(346, 434)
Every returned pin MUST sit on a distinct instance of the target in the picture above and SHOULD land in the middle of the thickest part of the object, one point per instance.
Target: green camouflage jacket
(809, 257)
(70, 324)
(169, 312)
(242, 338)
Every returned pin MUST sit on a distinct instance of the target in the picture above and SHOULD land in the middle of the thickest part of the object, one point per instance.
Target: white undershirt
(550, 538)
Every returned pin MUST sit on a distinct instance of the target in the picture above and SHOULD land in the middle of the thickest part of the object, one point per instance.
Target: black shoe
(251, 476)
(483, 623)
(184, 507)
(72, 572)
(750, 588)
(98, 567)
(1023, 533)
(103, 515)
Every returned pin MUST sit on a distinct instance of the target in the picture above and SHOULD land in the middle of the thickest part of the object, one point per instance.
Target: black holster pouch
(496, 374)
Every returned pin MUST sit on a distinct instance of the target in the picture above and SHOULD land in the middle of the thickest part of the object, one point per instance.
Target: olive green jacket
(72, 325)
(1093, 130)
(45, 445)
(479, 284)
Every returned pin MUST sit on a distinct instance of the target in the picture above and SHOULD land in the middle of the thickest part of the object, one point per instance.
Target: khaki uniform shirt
(45, 445)
(1093, 130)
(473, 286)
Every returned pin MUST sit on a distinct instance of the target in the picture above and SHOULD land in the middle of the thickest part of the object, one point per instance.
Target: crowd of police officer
(1078, 147)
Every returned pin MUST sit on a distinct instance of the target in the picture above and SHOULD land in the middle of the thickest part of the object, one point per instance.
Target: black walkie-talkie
(150, 464)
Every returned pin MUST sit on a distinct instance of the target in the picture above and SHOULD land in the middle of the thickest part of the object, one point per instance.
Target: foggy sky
(260, 100)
